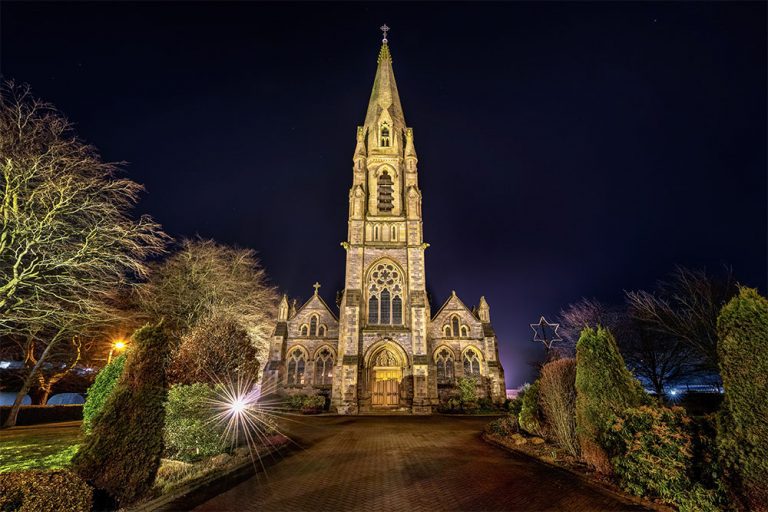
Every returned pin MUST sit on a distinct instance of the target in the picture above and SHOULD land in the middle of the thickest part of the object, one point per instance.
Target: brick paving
(377, 463)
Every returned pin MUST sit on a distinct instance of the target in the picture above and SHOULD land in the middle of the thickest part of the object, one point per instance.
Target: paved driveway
(385, 464)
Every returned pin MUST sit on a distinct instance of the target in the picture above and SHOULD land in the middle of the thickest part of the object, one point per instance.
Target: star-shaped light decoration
(545, 332)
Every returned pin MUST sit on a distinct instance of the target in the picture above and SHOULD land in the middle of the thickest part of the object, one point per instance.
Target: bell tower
(384, 296)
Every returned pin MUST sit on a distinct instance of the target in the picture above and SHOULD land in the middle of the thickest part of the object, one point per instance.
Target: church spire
(384, 109)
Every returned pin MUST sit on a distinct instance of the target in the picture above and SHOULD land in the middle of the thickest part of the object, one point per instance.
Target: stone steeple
(384, 104)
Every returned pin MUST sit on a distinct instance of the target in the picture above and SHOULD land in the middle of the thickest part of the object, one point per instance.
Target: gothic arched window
(304, 330)
(444, 367)
(384, 317)
(397, 310)
(384, 135)
(376, 232)
(455, 325)
(373, 310)
(313, 326)
(471, 363)
(324, 367)
(385, 295)
(464, 332)
(296, 363)
(385, 192)
(321, 330)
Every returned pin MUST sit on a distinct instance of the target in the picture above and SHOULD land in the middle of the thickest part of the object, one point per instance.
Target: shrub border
(616, 493)
(200, 490)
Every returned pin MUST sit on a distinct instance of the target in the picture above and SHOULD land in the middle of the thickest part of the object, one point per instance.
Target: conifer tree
(121, 456)
(743, 422)
(604, 387)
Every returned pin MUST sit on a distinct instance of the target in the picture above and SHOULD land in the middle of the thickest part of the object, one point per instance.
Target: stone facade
(385, 351)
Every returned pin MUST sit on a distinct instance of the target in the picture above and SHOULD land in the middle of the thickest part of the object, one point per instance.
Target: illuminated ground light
(244, 418)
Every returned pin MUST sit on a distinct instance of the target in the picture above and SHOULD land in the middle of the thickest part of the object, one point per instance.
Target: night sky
(565, 150)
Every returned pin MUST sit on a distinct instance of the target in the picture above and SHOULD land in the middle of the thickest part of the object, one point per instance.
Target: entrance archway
(386, 368)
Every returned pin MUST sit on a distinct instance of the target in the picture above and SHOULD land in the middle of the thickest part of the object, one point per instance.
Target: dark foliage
(743, 423)
(37, 414)
(44, 491)
(122, 454)
(652, 451)
(604, 387)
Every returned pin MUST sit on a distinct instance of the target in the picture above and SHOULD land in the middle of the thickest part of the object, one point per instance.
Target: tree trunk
(13, 414)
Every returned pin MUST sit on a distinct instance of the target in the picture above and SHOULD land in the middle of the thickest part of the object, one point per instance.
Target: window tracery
(324, 367)
(444, 367)
(385, 295)
(296, 365)
(471, 363)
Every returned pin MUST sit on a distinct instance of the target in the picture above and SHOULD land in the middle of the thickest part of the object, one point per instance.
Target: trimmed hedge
(653, 453)
(122, 454)
(44, 491)
(307, 404)
(102, 386)
(36, 414)
(190, 432)
(604, 388)
(743, 422)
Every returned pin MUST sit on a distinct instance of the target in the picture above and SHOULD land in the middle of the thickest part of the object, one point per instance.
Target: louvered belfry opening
(385, 192)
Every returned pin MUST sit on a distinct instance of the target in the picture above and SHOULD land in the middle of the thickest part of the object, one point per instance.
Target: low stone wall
(35, 414)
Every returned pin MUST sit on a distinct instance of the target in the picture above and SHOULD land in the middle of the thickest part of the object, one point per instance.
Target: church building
(385, 350)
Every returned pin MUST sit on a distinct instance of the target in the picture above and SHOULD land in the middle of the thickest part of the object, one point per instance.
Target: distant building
(386, 351)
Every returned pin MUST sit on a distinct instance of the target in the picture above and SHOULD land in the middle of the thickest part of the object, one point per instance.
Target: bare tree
(684, 308)
(67, 239)
(655, 357)
(206, 280)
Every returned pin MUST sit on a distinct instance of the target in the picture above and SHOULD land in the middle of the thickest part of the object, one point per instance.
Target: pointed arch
(471, 359)
(325, 358)
(385, 288)
(296, 367)
(444, 362)
(313, 321)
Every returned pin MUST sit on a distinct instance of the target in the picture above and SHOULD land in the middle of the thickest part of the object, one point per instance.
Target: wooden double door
(386, 387)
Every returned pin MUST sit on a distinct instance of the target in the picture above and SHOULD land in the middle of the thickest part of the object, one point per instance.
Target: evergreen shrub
(504, 427)
(313, 404)
(44, 491)
(121, 456)
(190, 432)
(98, 392)
(604, 388)
(652, 450)
(296, 402)
(743, 422)
(467, 392)
(531, 418)
(557, 395)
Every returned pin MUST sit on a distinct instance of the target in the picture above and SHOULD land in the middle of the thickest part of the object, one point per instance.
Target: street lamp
(118, 345)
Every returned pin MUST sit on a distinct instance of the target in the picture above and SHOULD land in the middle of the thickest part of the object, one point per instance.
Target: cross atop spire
(316, 286)
(384, 29)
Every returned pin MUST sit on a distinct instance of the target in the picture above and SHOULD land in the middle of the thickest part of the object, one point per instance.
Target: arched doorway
(385, 378)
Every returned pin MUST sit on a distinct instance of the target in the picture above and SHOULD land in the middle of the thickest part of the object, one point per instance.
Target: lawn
(48, 446)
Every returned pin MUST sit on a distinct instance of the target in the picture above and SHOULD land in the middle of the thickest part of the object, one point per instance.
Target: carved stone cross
(384, 29)
(316, 286)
